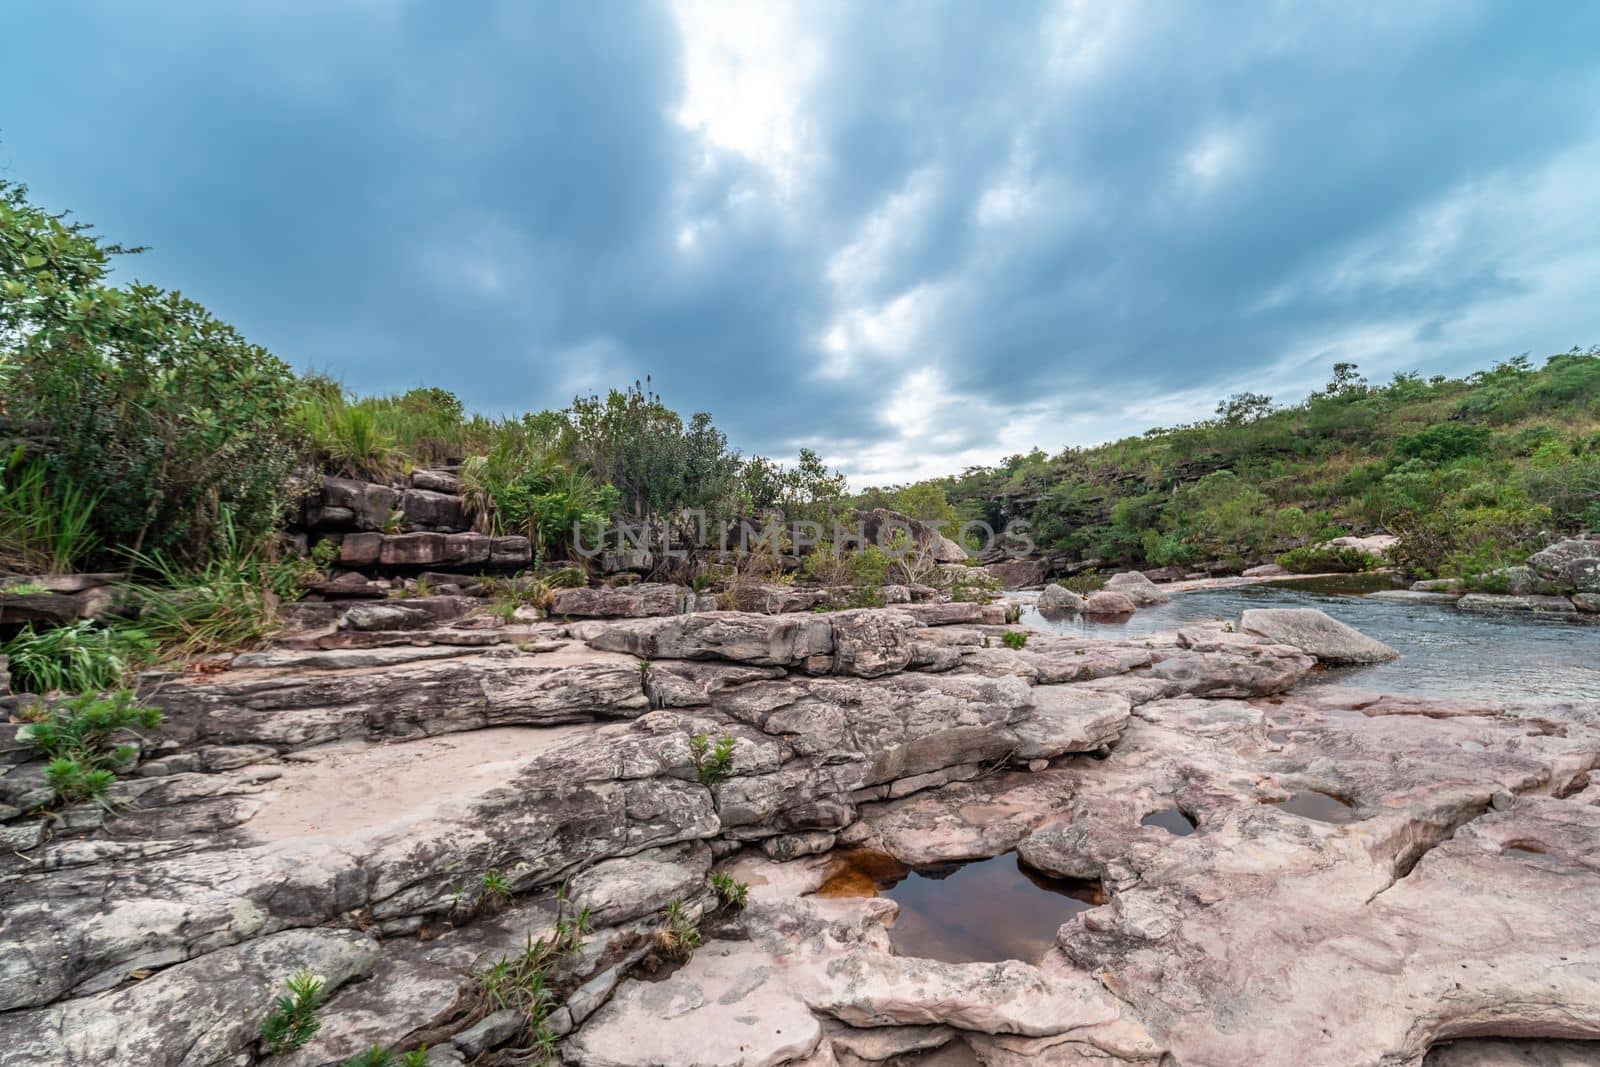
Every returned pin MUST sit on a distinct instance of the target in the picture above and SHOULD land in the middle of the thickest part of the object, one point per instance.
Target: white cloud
(1219, 155)
(747, 68)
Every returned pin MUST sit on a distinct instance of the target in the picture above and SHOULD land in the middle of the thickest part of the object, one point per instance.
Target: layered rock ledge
(341, 809)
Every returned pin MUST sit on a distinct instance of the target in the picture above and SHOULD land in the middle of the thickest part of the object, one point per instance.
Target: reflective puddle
(994, 909)
(1171, 820)
(1310, 804)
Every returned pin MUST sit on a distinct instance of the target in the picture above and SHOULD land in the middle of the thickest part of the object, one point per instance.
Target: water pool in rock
(986, 910)
(1443, 651)
(1320, 807)
(1171, 820)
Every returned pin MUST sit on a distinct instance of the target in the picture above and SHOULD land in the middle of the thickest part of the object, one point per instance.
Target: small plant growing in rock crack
(713, 763)
(79, 736)
(1014, 639)
(378, 1056)
(678, 936)
(495, 891)
(293, 1019)
(731, 893)
(526, 983)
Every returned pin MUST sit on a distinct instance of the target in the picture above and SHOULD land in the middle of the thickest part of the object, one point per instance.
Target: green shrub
(139, 399)
(1314, 560)
(81, 657)
(678, 936)
(83, 737)
(713, 764)
(1014, 639)
(1443, 443)
(731, 893)
(293, 1019)
(526, 982)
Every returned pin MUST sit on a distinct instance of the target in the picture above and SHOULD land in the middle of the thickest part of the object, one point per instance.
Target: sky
(913, 236)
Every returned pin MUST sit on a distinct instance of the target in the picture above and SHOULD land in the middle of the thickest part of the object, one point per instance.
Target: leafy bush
(713, 764)
(731, 893)
(1443, 443)
(1315, 560)
(293, 1019)
(80, 737)
(81, 657)
(1014, 639)
(137, 398)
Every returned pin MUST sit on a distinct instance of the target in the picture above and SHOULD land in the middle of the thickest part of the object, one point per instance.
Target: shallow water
(1318, 806)
(1444, 651)
(994, 909)
(1171, 820)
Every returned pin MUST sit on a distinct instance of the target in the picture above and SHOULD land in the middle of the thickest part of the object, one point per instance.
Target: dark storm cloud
(999, 225)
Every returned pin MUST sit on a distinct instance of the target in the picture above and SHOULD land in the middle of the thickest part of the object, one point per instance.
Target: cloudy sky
(915, 236)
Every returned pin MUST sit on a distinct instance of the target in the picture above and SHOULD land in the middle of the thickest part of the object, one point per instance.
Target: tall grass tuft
(46, 525)
(82, 657)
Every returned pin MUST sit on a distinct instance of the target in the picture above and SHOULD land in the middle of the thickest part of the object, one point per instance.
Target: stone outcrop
(1017, 573)
(1573, 565)
(1109, 602)
(1059, 600)
(1137, 588)
(637, 601)
(1314, 632)
(343, 809)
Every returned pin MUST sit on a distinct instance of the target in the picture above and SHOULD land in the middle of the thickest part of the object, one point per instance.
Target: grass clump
(293, 1019)
(1014, 639)
(713, 763)
(528, 983)
(45, 526)
(83, 738)
(678, 936)
(82, 657)
(732, 894)
(378, 1056)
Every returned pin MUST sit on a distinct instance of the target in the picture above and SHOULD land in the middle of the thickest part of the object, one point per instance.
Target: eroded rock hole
(986, 910)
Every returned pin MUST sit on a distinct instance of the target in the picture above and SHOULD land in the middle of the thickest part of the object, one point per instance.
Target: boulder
(1317, 634)
(1524, 581)
(947, 551)
(466, 549)
(1265, 570)
(510, 552)
(438, 481)
(1017, 573)
(740, 636)
(1137, 588)
(1058, 600)
(1496, 602)
(426, 509)
(360, 549)
(1573, 565)
(1440, 585)
(1587, 602)
(1109, 602)
(870, 643)
(638, 601)
(413, 550)
(368, 505)
(1376, 545)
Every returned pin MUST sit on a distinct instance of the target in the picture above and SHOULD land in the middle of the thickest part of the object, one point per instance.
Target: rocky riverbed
(1362, 878)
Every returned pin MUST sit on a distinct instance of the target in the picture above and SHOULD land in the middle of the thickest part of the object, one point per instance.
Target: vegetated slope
(1472, 473)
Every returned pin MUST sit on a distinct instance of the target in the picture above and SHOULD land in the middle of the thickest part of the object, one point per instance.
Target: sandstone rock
(729, 1006)
(466, 549)
(628, 887)
(1059, 600)
(1414, 596)
(1109, 602)
(438, 481)
(1017, 573)
(207, 1010)
(744, 637)
(1137, 588)
(1316, 633)
(510, 552)
(952, 613)
(871, 643)
(57, 609)
(425, 509)
(694, 683)
(1376, 545)
(361, 549)
(1265, 570)
(414, 550)
(947, 551)
(1495, 602)
(1589, 602)
(368, 505)
(641, 600)
(1573, 565)
(1440, 585)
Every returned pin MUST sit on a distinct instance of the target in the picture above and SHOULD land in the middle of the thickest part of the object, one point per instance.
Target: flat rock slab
(1316, 633)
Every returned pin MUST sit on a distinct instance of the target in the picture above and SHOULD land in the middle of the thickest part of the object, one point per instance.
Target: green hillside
(1471, 473)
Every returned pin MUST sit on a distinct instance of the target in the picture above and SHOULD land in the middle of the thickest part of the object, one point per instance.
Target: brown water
(1171, 820)
(994, 909)
(1310, 804)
